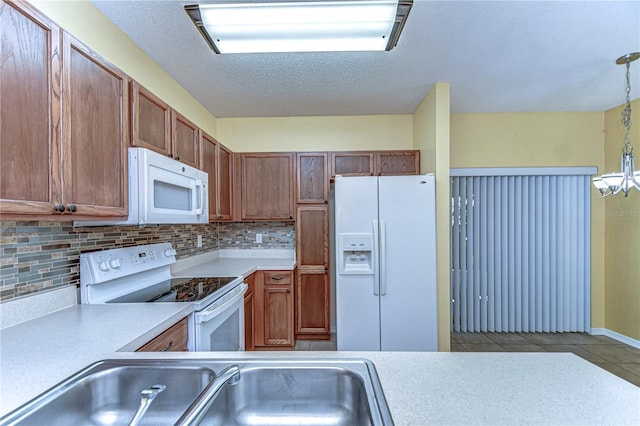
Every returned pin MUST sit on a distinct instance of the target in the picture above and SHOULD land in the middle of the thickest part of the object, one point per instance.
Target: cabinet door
(225, 183)
(95, 132)
(352, 164)
(312, 303)
(185, 140)
(397, 163)
(312, 235)
(312, 180)
(151, 120)
(30, 175)
(278, 315)
(267, 186)
(174, 339)
(208, 163)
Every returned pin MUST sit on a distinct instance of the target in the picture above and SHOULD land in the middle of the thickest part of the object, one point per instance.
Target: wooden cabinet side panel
(249, 318)
(151, 120)
(96, 132)
(30, 180)
(225, 183)
(208, 163)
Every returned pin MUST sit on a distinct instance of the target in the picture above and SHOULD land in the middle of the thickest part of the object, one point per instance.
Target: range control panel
(106, 265)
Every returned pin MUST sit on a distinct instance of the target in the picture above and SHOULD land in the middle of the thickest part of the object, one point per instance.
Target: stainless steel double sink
(189, 392)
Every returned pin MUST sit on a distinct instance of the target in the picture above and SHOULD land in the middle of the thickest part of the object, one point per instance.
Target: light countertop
(420, 387)
(234, 262)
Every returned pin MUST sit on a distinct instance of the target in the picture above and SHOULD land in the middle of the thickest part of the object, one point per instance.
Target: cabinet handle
(219, 216)
(169, 346)
(72, 208)
(290, 217)
(276, 278)
(59, 208)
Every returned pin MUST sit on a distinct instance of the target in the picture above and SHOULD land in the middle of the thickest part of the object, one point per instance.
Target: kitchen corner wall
(40, 256)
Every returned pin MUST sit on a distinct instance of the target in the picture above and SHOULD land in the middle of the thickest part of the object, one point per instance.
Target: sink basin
(108, 393)
(301, 393)
(269, 392)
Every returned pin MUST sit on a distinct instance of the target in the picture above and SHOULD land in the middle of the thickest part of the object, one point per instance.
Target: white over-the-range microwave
(162, 191)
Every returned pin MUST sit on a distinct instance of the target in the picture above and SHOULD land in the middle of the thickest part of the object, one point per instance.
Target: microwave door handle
(200, 195)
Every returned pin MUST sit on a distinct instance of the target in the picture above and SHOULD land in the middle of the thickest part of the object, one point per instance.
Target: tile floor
(612, 355)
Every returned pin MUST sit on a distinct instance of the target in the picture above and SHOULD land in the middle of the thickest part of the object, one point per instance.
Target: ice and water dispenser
(355, 254)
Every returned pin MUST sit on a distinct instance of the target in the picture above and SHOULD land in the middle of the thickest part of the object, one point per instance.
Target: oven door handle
(221, 305)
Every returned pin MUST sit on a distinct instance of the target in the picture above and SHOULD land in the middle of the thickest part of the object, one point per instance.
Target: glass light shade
(299, 26)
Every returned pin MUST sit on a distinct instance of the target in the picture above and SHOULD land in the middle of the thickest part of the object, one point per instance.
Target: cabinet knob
(72, 208)
(170, 155)
(288, 291)
(220, 216)
(59, 208)
(178, 158)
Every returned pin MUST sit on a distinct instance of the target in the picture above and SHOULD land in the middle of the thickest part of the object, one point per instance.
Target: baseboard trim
(617, 336)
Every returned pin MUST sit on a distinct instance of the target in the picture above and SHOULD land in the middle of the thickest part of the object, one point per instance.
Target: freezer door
(408, 305)
(357, 304)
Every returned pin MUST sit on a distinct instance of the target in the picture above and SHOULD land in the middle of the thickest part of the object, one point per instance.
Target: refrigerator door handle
(376, 274)
(383, 258)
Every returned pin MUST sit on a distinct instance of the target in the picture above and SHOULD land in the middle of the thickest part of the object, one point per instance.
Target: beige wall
(335, 133)
(431, 136)
(543, 140)
(84, 21)
(622, 233)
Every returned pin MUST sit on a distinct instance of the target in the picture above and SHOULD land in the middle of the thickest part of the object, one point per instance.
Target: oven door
(220, 326)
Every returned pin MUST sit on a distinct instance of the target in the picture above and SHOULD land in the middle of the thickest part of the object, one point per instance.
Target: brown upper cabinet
(375, 163)
(63, 154)
(266, 185)
(185, 139)
(397, 163)
(312, 178)
(352, 163)
(216, 160)
(151, 119)
(158, 127)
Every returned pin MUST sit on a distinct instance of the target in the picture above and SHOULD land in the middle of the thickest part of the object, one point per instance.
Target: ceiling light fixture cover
(301, 26)
(628, 177)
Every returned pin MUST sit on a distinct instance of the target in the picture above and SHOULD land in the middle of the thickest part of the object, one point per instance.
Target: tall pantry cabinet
(64, 126)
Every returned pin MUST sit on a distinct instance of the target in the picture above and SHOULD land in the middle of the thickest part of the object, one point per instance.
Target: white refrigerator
(386, 263)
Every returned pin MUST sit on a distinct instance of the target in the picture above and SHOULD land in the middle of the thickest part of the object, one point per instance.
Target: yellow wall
(431, 136)
(335, 133)
(84, 21)
(542, 140)
(622, 233)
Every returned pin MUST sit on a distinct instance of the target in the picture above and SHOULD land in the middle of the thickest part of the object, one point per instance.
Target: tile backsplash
(37, 256)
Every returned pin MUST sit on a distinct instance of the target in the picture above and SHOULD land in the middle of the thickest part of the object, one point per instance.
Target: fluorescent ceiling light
(302, 26)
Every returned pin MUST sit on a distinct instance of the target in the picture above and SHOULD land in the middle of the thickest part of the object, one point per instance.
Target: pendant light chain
(626, 113)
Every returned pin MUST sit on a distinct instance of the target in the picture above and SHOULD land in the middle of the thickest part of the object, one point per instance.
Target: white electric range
(142, 274)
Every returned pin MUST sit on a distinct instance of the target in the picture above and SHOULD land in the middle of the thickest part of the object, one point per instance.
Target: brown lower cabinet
(249, 312)
(174, 339)
(273, 319)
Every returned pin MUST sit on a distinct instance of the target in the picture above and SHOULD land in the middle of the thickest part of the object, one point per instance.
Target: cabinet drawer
(277, 278)
(174, 339)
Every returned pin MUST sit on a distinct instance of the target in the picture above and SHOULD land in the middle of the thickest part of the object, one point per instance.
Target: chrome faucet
(196, 411)
(146, 398)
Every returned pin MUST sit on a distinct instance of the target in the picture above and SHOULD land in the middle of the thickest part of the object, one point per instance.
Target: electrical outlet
(259, 238)
(199, 240)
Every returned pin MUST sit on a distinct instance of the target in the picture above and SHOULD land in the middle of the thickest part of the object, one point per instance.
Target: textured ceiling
(499, 56)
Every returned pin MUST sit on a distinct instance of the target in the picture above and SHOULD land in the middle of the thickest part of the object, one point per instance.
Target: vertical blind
(520, 253)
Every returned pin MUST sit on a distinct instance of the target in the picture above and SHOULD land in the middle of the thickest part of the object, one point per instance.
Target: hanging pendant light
(627, 178)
